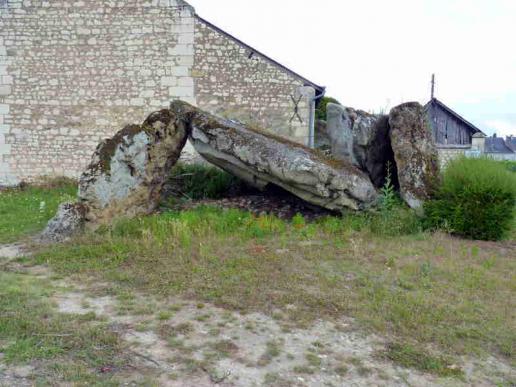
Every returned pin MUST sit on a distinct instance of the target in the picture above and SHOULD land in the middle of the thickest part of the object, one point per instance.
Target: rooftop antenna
(433, 85)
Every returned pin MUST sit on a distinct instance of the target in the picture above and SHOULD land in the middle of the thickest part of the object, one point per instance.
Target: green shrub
(320, 109)
(475, 199)
(509, 165)
(203, 182)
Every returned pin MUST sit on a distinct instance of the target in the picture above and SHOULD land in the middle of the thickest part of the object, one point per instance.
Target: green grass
(66, 346)
(202, 182)
(410, 357)
(434, 291)
(27, 210)
(272, 351)
(430, 289)
(509, 165)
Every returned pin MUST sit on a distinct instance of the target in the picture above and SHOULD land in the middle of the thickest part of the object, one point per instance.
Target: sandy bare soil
(176, 342)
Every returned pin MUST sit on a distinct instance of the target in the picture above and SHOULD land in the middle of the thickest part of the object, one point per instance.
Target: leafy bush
(509, 165)
(320, 109)
(203, 182)
(475, 199)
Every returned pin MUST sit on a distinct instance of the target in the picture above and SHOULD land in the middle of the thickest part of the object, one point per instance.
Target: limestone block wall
(448, 153)
(74, 72)
(234, 81)
(6, 81)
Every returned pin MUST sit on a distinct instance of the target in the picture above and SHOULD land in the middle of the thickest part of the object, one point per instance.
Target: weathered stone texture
(73, 72)
(235, 82)
(448, 153)
(262, 159)
(340, 132)
(68, 221)
(361, 139)
(127, 172)
(414, 151)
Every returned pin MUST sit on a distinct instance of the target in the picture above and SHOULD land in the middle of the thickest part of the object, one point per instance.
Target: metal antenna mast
(433, 85)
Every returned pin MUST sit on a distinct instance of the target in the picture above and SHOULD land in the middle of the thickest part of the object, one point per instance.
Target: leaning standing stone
(414, 152)
(127, 172)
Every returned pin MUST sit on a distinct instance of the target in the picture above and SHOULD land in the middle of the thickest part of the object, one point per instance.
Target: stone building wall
(448, 153)
(6, 80)
(75, 72)
(235, 81)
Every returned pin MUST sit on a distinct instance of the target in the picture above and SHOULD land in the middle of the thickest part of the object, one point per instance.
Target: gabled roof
(496, 145)
(511, 143)
(319, 89)
(436, 102)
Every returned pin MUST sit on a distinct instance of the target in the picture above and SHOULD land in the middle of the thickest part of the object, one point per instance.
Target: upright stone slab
(362, 139)
(128, 171)
(371, 145)
(414, 152)
(339, 127)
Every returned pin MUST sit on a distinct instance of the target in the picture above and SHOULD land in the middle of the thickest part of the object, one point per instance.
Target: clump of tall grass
(475, 199)
(203, 182)
(394, 217)
(509, 165)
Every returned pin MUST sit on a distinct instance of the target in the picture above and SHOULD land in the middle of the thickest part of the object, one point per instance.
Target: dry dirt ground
(191, 344)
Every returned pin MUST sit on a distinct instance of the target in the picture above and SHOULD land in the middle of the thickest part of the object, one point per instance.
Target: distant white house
(453, 136)
(500, 148)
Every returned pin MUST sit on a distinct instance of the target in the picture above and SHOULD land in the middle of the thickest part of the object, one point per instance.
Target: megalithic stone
(128, 171)
(261, 158)
(415, 153)
(339, 126)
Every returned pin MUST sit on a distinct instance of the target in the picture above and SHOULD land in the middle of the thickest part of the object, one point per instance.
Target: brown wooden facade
(449, 128)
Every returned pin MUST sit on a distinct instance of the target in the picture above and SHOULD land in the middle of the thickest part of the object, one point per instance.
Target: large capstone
(260, 159)
(127, 172)
(414, 152)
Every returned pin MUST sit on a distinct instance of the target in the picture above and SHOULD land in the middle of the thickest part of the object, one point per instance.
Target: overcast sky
(374, 54)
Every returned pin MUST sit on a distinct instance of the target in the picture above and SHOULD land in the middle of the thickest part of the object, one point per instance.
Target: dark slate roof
(496, 145)
(511, 143)
(472, 128)
(318, 88)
